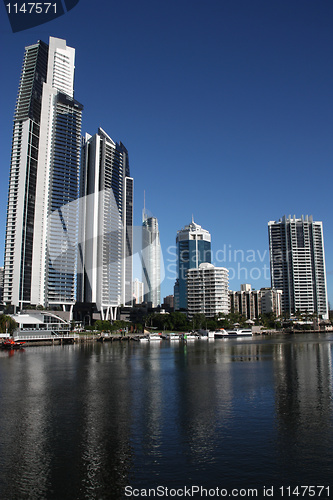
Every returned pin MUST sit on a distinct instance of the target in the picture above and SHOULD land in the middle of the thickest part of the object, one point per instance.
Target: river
(209, 418)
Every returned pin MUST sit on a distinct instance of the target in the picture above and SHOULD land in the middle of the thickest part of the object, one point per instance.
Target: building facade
(106, 225)
(193, 248)
(41, 229)
(271, 301)
(138, 291)
(252, 303)
(151, 260)
(207, 290)
(297, 260)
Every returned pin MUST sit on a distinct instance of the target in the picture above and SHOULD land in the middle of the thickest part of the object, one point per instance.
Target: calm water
(87, 421)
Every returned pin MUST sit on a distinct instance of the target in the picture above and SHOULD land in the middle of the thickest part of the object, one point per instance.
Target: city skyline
(234, 102)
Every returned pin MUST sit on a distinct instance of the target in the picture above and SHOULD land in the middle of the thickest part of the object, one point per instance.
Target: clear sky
(225, 107)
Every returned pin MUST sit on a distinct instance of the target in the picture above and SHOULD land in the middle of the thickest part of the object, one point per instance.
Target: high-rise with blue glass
(193, 248)
(41, 229)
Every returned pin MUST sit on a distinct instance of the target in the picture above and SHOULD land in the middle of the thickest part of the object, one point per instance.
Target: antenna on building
(144, 216)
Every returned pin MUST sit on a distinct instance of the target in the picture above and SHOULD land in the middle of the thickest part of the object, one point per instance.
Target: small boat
(12, 344)
(190, 336)
(153, 337)
(173, 336)
(245, 332)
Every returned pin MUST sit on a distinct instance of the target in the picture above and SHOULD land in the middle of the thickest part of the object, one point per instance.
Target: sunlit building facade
(151, 260)
(106, 225)
(41, 229)
(297, 259)
(207, 290)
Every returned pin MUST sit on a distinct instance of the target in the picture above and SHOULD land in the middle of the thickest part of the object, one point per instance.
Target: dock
(48, 337)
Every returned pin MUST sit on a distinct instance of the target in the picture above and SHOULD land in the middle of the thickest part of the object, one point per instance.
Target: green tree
(7, 324)
(103, 326)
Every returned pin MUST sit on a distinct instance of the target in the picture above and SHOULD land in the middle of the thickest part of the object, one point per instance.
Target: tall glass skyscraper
(41, 229)
(193, 248)
(297, 260)
(151, 260)
(106, 225)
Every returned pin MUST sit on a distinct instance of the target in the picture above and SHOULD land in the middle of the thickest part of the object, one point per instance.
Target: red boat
(12, 344)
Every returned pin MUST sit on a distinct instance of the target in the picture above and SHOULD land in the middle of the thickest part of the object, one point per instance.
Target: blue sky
(225, 107)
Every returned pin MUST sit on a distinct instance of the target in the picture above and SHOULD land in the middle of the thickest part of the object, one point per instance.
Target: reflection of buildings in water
(303, 388)
(148, 399)
(24, 427)
(106, 453)
(204, 400)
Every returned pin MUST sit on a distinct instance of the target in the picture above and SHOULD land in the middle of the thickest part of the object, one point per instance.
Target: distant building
(297, 260)
(138, 291)
(246, 302)
(151, 260)
(106, 225)
(168, 303)
(207, 290)
(252, 303)
(271, 301)
(193, 248)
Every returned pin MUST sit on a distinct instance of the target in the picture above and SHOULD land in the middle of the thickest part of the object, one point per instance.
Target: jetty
(46, 337)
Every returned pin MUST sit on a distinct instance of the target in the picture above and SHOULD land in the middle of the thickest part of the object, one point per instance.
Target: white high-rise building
(151, 260)
(41, 230)
(297, 260)
(207, 290)
(106, 225)
(138, 292)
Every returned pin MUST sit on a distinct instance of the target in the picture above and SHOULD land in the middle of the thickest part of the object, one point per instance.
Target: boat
(239, 332)
(190, 336)
(12, 344)
(173, 336)
(153, 337)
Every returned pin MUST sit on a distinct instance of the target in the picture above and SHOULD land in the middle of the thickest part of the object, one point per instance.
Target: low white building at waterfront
(41, 321)
(207, 290)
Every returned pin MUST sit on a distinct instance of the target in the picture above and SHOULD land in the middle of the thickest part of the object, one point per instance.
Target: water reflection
(85, 421)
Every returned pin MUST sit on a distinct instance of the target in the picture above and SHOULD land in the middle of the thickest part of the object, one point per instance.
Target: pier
(50, 336)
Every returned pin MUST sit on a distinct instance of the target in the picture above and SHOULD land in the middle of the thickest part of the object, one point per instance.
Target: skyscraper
(106, 225)
(40, 248)
(151, 259)
(297, 260)
(193, 248)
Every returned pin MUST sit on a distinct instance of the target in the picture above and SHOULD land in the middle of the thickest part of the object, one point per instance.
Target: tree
(7, 324)
(102, 325)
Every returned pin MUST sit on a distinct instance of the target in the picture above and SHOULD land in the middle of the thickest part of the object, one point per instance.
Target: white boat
(143, 339)
(189, 336)
(153, 337)
(239, 332)
(173, 336)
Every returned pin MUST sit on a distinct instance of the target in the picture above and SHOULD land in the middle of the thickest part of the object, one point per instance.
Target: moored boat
(12, 344)
(190, 336)
(241, 332)
(173, 336)
(153, 337)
